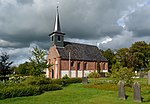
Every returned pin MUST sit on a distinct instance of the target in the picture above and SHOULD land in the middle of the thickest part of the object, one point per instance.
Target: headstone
(84, 80)
(63, 83)
(137, 92)
(149, 77)
(121, 91)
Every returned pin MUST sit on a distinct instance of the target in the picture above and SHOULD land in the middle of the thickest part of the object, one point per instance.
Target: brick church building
(73, 59)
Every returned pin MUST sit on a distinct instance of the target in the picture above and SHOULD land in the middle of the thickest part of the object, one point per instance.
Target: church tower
(57, 37)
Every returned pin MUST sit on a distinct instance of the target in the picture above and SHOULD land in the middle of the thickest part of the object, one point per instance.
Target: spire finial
(57, 4)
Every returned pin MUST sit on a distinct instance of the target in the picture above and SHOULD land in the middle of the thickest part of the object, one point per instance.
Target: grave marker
(121, 91)
(137, 92)
(84, 80)
(149, 77)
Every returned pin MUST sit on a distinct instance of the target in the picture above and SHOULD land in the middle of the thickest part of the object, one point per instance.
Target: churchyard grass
(83, 94)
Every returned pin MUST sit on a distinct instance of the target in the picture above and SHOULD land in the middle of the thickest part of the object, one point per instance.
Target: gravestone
(149, 77)
(121, 91)
(137, 92)
(84, 80)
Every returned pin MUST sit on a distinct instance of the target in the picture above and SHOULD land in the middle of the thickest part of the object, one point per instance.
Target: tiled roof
(80, 52)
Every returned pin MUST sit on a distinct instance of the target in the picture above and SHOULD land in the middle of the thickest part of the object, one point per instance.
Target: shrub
(65, 77)
(123, 73)
(94, 75)
(50, 87)
(57, 81)
(1, 84)
(34, 86)
(18, 91)
(73, 80)
(66, 81)
(37, 81)
(44, 81)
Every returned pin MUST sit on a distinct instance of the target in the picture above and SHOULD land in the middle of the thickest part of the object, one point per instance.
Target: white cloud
(4, 43)
(19, 55)
(106, 40)
(131, 9)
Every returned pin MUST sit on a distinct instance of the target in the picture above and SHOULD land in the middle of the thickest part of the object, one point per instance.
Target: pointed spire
(57, 23)
(57, 28)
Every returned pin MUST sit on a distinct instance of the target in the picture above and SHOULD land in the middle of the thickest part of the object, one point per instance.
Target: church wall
(64, 64)
(64, 69)
(53, 53)
(104, 66)
(75, 70)
(89, 65)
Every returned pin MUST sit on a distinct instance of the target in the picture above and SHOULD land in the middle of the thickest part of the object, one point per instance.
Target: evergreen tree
(5, 65)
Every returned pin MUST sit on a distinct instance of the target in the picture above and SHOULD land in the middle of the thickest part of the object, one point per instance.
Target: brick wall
(54, 57)
(89, 65)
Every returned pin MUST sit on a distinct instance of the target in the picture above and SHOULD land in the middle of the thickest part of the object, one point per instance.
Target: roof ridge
(81, 44)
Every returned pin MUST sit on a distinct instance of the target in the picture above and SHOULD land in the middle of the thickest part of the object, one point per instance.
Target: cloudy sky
(105, 23)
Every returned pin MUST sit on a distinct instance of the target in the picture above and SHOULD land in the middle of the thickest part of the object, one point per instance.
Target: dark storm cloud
(139, 22)
(93, 19)
(25, 1)
(79, 19)
(105, 23)
(90, 18)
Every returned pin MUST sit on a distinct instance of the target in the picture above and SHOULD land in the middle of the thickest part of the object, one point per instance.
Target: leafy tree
(109, 55)
(141, 54)
(138, 60)
(148, 65)
(122, 73)
(38, 62)
(124, 57)
(94, 76)
(5, 65)
(24, 69)
(136, 57)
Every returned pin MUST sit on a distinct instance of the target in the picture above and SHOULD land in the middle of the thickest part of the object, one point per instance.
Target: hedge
(10, 92)
(37, 81)
(73, 80)
(19, 91)
(34, 86)
(50, 87)
(67, 81)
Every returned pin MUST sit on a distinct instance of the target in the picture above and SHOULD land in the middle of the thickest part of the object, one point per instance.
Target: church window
(78, 66)
(103, 66)
(85, 66)
(52, 38)
(58, 38)
(72, 64)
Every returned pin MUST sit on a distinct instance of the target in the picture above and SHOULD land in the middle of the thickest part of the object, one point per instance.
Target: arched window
(72, 64)
(52, 38)
(78, 66)
(85, 66)
(103, 66)
(58, 38)
(52, 73)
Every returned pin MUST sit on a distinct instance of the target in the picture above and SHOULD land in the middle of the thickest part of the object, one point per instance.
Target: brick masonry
(61, 65)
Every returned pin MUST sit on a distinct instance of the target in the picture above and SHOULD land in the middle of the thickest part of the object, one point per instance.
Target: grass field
(80, 94)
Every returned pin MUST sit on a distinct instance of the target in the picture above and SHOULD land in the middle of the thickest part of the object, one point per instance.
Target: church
(72, 59)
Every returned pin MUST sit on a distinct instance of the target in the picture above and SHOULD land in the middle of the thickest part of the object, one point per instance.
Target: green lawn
(76, 94)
